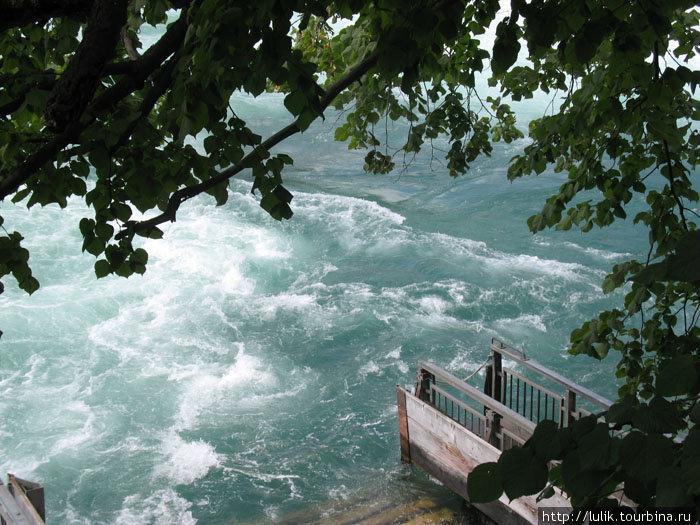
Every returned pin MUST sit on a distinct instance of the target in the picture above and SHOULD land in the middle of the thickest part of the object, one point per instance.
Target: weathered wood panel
(403, 425)
(15, 507)
(9, 510)
(29, 497)
(449, 452)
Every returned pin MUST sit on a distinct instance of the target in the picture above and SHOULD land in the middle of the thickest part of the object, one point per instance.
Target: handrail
(518, 356)
(477, 395)
(530, 382)
(459, 403)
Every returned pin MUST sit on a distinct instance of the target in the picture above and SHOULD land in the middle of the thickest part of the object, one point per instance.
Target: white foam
(532, 263)
(385, 318)
(355, 223)
(186, 461)
(394, 354)
(206, 389)
(601, 254)
(369, 368)
(79, 436)
(433, 305)
(463, 362)
(532, 320)
(163, 507)
(272, 304)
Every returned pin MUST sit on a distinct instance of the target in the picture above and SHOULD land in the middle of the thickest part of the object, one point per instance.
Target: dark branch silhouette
(180, 196)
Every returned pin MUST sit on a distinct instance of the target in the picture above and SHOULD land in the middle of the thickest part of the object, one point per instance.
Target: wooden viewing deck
(448, 427)
(21, 502)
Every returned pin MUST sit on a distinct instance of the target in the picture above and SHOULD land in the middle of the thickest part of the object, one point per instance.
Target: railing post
(423, 385)
(496, 371)
(570, 408)
(493, 427)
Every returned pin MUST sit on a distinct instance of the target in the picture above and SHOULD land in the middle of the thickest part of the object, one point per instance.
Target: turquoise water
(250, 372)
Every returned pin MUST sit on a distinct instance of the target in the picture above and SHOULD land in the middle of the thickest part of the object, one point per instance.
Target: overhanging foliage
(80, 104)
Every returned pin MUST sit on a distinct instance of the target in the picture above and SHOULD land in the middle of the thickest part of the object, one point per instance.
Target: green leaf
(579, 483)
(282, 194)
(99, 158)
(29, 285)
(121, 211)
(102, 268)
(96, 246)
(20, 195)
(622, 412)
(104, 231)
(594, 448)
(87, 226)
(659, 416)
(152, 233)
(683, 264)
(295, 102)
(695, 413)
(549, 441)
(690, 461)
(643, 456)
(677, 377)
(342, 133)
(305, 119)
(140, 256)
(268, 202)
(282, 211)
(484, 483)
(522, 473)
(671, 489)
(124, 270)
(505, 48)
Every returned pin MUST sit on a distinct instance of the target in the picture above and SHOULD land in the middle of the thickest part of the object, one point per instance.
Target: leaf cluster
(621, 131)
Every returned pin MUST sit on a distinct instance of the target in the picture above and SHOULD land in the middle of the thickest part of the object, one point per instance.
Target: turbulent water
(250, 372)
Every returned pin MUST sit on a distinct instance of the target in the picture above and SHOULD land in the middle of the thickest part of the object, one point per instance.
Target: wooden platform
(448, 427)
(21, 502)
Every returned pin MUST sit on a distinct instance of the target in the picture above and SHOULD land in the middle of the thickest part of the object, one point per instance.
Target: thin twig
(180, 196)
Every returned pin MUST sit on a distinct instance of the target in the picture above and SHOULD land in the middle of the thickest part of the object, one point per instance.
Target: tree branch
(180, 196)
(128, 45)
(163, 79)
(19, 13)
(77, 85)
(681, 208)
(144, 67)
(40, 82)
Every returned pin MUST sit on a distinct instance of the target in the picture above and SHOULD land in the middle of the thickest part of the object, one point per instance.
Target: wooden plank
(403, 425)
(17, 488)
(517, 356)
(449, 452)
(9, 510)
(477, 395)
(29, 495)
(512, 427)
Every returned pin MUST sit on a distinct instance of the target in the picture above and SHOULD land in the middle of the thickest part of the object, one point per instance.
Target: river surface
(250, 373)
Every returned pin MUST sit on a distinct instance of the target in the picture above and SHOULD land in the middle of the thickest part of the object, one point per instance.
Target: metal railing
(510, 407)
(531, 399)
(470, 408)
(466, 416)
